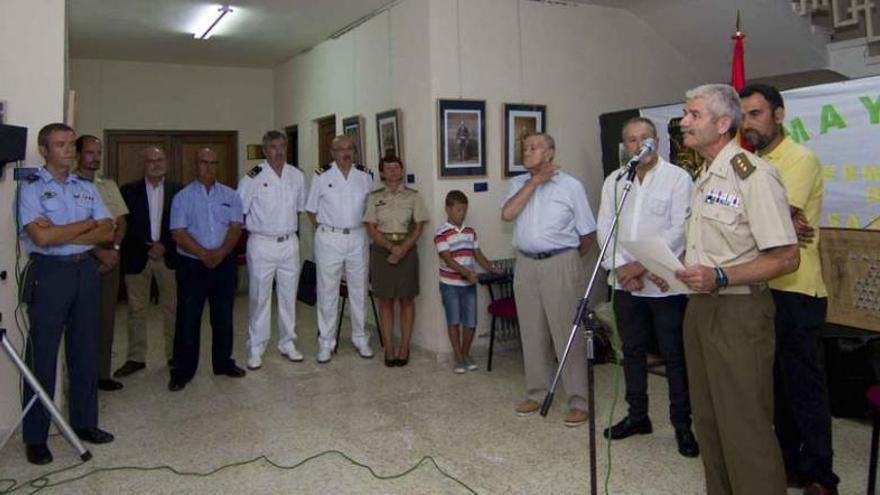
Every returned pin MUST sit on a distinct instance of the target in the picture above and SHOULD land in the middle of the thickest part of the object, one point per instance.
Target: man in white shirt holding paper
(657, 207)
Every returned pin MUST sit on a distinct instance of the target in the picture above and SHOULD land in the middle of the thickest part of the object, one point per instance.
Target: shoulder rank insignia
(30, 179)
(364, 170)
(255, 171)
(742, 165)
(323, 168)
(377, 191)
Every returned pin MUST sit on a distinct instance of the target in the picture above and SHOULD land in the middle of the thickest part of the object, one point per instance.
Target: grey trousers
(547, 293)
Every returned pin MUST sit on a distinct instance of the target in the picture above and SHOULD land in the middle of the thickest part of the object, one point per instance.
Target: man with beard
(801, 412)
(88, 154)
(739, 236)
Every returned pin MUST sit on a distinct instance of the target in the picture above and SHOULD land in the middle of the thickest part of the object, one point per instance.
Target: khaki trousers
(109, 283)
(138, 288)
(547, 293)
(729, 347)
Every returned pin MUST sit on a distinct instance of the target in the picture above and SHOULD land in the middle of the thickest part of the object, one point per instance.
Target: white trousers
(270, 260)
(337, 253)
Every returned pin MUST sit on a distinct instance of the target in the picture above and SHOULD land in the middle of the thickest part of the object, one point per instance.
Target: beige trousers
(138, 289)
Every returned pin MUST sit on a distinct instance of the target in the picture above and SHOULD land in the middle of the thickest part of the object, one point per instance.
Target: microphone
(648, 145)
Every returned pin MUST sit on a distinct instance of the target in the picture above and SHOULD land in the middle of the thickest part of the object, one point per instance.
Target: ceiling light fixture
(221, 13)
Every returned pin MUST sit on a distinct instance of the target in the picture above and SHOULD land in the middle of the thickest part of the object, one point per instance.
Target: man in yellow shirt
(801, 417)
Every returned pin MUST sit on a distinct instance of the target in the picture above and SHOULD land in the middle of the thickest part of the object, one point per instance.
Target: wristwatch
(720, 278)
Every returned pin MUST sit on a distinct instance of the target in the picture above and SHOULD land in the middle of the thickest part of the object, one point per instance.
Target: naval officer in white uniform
(272, 194)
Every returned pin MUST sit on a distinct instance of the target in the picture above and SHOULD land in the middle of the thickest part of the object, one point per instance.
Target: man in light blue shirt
(61, 218)
(206, 219)
(553, 228)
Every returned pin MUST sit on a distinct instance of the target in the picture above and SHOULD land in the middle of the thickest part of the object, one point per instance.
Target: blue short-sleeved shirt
(62, 203)
(205, 214)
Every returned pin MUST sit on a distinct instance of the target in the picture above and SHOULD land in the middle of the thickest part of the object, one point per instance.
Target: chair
(873, 396)
(502, 305)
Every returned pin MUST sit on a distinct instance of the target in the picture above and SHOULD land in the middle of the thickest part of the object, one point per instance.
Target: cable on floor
(44, 482)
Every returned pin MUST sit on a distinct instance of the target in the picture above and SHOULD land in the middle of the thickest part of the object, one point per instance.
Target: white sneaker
(460, 367)
(324, 354)
(292, 354)
(470, 364)
(254, 362)
(363, 349)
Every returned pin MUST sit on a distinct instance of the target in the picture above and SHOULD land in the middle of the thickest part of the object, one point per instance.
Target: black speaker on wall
(13, 143)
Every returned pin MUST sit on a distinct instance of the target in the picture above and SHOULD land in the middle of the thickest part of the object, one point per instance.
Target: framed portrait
(519, 121)
(353, 127)
(388, 125)
(462, 125)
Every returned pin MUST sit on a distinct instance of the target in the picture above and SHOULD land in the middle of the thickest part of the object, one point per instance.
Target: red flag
(738, 69)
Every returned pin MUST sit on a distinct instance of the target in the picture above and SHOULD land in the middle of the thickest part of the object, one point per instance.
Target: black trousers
(196, 284)
(637, 317)
(801, 411)
(62, 297)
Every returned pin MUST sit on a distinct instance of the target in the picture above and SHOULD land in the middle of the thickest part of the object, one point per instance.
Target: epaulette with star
(742, 166)
(364, 170)
(323, 168)
(254, 171)
(30, 179)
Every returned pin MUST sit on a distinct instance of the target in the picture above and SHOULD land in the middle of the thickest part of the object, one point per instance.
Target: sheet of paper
(656, 257)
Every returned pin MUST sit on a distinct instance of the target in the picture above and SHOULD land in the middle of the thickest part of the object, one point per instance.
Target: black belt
(545, 254)
(66, 258)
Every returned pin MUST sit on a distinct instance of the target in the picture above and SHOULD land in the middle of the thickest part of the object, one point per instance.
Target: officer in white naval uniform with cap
(272, 194)
(336, 204)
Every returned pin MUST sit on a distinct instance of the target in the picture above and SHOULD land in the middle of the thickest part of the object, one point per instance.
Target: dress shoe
(324, 355)
(364, 349)
(233, 371)
(128, 368)
(109, 385)
(94, 435)
(39, 454)
(390, 362)
(575, 417)
(816, 488)
(254, 362)
(527, 407)
(687, 444)
(401, 362)
(175, 386)
(627, 427)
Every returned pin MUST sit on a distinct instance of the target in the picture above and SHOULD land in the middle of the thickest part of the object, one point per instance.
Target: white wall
(114, 94)
(32, 86)
(852, 59)
(580, 61)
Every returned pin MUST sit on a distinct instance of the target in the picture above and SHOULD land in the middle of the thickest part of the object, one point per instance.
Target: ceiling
(259, 33)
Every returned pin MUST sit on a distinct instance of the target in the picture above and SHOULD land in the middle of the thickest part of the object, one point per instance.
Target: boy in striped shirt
(458, 249)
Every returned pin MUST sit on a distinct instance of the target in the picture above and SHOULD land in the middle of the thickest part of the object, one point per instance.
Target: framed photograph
(255, 152)
(2, 112)
(519, 121)
(388, 126)
(462, 125)
(353, 127)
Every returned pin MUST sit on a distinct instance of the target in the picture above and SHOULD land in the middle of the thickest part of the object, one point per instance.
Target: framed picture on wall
(462, 125)
(388, 130)
(2, 112)
(353, 127)
(519, 121)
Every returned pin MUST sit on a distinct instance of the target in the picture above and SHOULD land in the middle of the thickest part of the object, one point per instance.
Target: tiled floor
(386, 419)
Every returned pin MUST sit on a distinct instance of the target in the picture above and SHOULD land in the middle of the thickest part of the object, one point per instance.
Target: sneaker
(292, 354)
(527, 407)
(470, 364)
(364, 349)
(324, 354)
(254, 362)
(460, 367)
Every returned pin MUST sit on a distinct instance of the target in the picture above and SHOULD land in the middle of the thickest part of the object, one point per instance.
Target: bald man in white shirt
(657, 207)
(553, 228)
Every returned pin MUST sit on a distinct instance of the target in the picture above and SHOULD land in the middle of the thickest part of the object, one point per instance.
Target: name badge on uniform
(381, 202)
(718, 197)
(83, 196)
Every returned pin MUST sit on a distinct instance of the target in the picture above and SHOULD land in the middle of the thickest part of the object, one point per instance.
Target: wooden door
(124, 148)
(326, 133)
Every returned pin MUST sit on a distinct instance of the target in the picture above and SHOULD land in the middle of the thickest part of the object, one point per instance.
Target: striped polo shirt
(461, 242)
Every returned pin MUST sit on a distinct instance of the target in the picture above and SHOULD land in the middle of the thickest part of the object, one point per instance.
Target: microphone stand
(588, 319)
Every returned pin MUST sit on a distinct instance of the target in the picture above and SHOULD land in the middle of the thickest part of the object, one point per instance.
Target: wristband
(720, 278)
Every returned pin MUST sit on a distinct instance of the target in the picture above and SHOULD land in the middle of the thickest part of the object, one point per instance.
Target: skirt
(393, 281)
